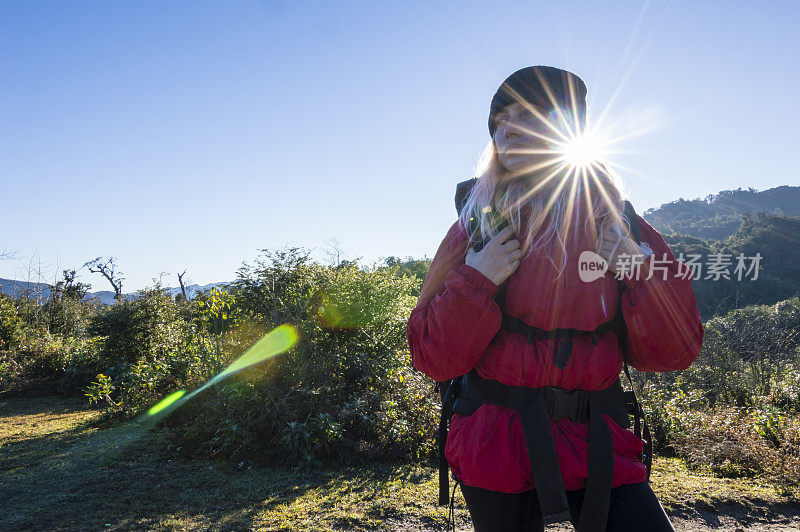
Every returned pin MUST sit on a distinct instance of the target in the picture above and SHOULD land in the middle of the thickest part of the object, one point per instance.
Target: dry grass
(61, 470)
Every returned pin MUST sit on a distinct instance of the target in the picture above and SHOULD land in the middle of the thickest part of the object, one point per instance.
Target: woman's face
(521, 139)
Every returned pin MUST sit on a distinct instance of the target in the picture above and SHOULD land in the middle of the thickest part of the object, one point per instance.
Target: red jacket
(456, 327)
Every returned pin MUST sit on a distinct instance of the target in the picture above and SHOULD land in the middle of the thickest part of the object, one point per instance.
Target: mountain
(41, 291)
(774, 239)
(718, 216)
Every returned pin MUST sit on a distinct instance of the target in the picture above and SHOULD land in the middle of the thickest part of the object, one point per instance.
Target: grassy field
(61, 469)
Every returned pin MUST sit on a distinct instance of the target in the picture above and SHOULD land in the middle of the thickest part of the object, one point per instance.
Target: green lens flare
(343, 311)
(164, 403)
(273, 343)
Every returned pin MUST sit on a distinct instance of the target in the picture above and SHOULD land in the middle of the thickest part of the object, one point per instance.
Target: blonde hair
(551, 198)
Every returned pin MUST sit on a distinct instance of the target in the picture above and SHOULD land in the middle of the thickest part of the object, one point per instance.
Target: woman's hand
(619, 251)
(499, 258)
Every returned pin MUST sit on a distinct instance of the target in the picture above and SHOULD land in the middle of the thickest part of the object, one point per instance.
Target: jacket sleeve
(665, 331)
(456, 316)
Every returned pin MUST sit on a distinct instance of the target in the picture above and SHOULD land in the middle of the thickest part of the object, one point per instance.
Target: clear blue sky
(189, 135)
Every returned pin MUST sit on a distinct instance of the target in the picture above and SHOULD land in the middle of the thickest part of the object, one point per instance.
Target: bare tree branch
(7, 254)
(333, 250)
(183, 288)
(108, 269)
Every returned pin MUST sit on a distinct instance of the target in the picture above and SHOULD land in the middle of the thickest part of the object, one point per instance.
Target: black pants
(634, 507)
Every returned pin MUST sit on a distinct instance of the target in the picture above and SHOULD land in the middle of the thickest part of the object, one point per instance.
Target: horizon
(360, 263)
(188, 136)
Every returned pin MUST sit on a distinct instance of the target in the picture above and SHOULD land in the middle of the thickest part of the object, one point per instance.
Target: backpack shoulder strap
(447, 388)
(462, 193)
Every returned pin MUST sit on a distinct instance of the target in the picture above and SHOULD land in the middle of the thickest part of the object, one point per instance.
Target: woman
(505, 304)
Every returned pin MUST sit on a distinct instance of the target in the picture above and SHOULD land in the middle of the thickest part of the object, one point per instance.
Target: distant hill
(774, 238)
(16, 288)
(718, 216)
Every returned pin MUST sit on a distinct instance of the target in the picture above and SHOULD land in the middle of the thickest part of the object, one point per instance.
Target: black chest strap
(536, 407)
(564, 336)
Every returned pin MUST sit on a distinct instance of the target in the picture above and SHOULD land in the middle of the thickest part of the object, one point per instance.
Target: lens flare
(277, 341)
(581, 151)
(164, 403)
(274, 343)
(577, 149)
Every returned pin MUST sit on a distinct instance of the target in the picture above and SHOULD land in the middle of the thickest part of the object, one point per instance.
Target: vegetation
(345, 394)
(774, 238)
(734, 412)
(717, 217)
(345, 390)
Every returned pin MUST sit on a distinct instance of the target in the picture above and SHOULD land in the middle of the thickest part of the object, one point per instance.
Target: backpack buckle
(512, 323)
(560, 404)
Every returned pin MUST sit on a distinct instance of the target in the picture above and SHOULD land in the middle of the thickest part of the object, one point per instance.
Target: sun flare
(578, 153)
(581, 151)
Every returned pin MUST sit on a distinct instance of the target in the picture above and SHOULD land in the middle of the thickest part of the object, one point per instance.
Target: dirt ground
(62, 469)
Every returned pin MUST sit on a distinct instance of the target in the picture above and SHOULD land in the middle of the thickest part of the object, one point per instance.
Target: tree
(69, 288)
(108, 268)
(183, 288)
(409, 266)
(11, 324)
(64, 312)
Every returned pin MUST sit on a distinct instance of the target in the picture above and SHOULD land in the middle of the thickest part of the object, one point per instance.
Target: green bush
(49, 362)
(759, 438)
(148, 348)
(344, 392)
(11, 324)
(746, 351)
(720, 442)
(66, 316)
(785, 390)
(100, 391)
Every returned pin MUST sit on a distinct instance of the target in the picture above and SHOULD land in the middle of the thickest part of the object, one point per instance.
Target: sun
(577, 153)
(581, 151)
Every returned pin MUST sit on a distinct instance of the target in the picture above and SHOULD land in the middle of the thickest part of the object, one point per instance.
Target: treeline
(770, 241)
(717, 216)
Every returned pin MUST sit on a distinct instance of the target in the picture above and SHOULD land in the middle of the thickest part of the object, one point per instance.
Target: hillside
(774, 238)
(717, 217)
(16, 288)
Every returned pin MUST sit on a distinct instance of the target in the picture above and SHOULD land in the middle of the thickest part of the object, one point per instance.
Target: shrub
(722, 443)
(148, 348)
(48, 362)
(785, 391)
(11, 324)
(100, 391)
(66, 316)
(733, 442)
(343, 392)
(747, 351)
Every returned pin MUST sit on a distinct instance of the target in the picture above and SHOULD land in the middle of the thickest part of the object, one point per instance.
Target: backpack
(448, 389)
